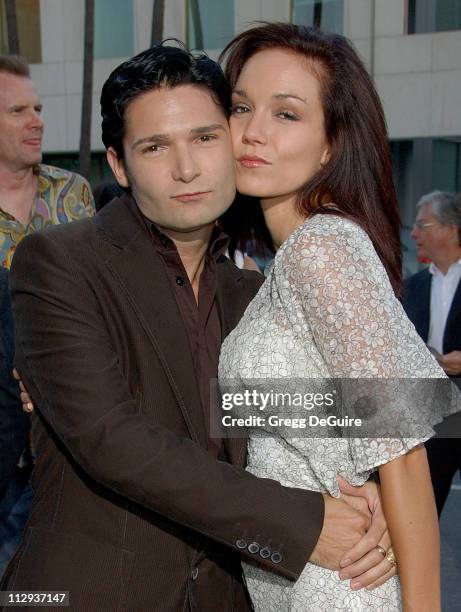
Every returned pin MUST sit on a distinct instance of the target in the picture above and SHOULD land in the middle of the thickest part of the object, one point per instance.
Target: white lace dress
(326, 309)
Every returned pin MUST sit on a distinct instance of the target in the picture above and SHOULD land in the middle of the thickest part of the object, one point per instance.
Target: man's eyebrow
(165, 138)
(205, 129)
(157, 138)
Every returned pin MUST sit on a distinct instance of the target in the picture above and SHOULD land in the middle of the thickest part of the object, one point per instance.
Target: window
(100, 170)
(28, 25)
(327, 15)
(113, 28)
(210, 24)
(446, 164)
(433, 16)
(420, 166)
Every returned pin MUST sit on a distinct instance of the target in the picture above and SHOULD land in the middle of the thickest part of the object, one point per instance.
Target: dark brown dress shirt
(200, 319)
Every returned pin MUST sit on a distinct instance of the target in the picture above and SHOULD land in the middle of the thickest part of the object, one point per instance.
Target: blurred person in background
(32, 195)
(432, 301)
(14, 427)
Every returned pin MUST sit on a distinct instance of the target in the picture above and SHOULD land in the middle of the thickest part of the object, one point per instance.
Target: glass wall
(433, 15)
(113, 28)
(210, 24)
(29, 34)
(327, 15)
(419, 167)
(100, 169)
(446, 166)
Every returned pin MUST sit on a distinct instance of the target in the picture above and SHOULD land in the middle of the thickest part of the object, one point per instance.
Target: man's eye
(152, 149)
(207, 138)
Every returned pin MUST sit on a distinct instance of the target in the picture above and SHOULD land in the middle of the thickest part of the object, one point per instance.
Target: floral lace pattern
(327, 309)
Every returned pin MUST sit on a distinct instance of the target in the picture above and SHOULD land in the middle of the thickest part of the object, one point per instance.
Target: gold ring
(381, 550)
(391, 557)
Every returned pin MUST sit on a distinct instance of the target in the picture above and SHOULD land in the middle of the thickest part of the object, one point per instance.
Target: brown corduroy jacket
(130, 512)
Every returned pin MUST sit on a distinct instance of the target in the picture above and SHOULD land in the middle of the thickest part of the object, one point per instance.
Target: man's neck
(18, 190)
(444, 262)
(192, 248)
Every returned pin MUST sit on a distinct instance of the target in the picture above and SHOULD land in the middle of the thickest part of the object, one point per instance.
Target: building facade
(412, 48)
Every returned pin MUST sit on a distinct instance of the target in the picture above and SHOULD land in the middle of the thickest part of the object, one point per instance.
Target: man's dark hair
(159, 66)
(14, 64)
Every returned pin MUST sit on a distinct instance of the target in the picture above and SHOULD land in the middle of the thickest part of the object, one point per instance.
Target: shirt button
(180, 281)
(163, 240)
(194, 573)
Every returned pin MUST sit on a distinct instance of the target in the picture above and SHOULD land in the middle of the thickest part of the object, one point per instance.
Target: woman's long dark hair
(358, 175)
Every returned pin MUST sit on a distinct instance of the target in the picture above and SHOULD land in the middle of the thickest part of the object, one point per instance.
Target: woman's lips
(252, 161)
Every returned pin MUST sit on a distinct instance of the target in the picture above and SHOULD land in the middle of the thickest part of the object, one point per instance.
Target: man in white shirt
(432, 300)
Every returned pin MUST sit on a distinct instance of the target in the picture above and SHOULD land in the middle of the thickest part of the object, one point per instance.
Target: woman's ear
(325, 156)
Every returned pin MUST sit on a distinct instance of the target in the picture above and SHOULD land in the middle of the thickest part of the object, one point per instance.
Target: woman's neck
(282, 218)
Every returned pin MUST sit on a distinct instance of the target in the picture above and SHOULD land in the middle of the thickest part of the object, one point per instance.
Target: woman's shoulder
(328, 231)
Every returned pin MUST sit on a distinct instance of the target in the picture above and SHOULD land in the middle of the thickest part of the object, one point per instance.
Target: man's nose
(186, 166)
(35, 120)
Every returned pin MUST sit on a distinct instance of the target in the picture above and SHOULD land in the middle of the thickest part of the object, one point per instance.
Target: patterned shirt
(62, 196)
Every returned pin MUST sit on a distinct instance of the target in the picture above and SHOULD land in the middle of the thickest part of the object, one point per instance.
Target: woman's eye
(237, 109)
(288, 115)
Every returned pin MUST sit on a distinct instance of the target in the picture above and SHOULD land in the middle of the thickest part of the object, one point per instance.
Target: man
(14, 427)
(432, 300)
(119, 323)
(32, 195)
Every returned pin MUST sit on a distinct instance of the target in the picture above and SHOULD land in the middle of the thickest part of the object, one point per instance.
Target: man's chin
(35, 160)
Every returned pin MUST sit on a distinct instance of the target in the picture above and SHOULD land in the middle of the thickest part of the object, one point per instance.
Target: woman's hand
(26, 400)
(364, 564)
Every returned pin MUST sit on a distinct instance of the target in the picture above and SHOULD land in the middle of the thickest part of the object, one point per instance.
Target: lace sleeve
(358, 325)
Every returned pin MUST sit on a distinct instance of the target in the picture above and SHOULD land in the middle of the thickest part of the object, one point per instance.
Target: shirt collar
(434, 270)
(218, 245)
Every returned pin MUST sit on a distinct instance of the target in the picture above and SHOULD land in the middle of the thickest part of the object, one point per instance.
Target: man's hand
(343, 526)
(451, 363)
(364, 564)
(26, 400)
(353, 527)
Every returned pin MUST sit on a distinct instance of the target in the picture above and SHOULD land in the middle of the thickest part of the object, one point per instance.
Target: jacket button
(241, 544)
(253, 548)
(179, 280)
(194, 573)
(276, 557)
(264, 553)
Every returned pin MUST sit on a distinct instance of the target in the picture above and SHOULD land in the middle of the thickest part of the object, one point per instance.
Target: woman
(311, 144)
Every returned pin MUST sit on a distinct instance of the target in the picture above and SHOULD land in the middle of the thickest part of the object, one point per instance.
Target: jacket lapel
(422, 306)
(233, 296)
(454, 313)
(139, 271)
